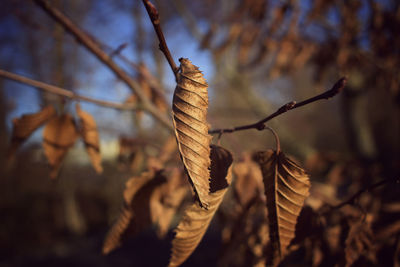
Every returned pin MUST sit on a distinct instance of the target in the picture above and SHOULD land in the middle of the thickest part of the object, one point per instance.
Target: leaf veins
(286, 187)
(196, 220)
(189, 107)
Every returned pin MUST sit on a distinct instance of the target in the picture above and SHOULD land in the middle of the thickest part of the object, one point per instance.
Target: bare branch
(155, 20)
(95, 48)
(351, 200)
(66, 93)
(260, 125)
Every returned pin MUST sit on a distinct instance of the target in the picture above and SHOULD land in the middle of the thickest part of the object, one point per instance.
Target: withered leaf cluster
(283, 37)
(271, 219)
(152, 198)
(59, 135)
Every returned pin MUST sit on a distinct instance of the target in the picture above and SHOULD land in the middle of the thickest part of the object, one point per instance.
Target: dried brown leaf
(190, 105)
(90, 137)
(166, 200)
(196, 220)
(58, 136)
(248, 182)
(131, 154)
(167, 149)
(286, 187)
(114, 237)
(24, 126)
(136, 214)
(360, 243)
(151, 89)
(164, 154)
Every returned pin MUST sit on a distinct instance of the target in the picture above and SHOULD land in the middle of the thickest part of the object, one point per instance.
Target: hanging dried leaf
(164, 155)
(90, 137)
(131, 154)
(167, 149)
(196, 220)
(115, 236)
(166, 199)
(190, 105)
(286, 187)
(151, 89)
(24, 126)
(135, 215)
(248, 182)
(58, 136)
(360, 243)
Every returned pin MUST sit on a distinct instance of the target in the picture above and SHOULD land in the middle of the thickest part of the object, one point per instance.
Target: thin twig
(354, 197)
(66, 93)
(155, 20)
(260, 125)
(96, 50)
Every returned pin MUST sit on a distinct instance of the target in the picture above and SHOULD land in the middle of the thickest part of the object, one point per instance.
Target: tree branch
(260, 125)
(66, 93)
(96, 50)
(155, 20)
(354, 197)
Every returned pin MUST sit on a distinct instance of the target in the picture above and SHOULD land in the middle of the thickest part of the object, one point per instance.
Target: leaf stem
(260, 125)
(278, 143)
(354, 197)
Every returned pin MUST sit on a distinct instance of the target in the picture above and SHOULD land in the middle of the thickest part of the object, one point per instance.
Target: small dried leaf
(114, 236)
(90, 136)
(58, 136)
(24, 126)
(131, 153)
(167, 149)
(248, 182)
(286, 187)
(166, 199)
(151, 89)
(196, 220)
(360, 243)
(164, 155)
(135, 215)
(190, 105)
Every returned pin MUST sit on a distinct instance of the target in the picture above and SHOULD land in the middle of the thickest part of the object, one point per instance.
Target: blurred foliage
(262, 54)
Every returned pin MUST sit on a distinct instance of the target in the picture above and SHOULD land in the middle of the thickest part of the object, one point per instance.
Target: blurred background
(256, 55)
